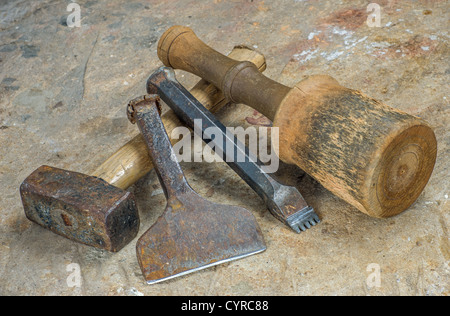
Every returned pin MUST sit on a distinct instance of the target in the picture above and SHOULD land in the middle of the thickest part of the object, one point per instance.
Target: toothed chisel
(285, 202)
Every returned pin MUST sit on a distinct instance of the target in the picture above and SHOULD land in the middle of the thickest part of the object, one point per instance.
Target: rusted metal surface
(285, 202)
(193, 233)
(79, 207)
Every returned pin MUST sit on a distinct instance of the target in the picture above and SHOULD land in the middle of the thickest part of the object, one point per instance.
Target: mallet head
(82, 208)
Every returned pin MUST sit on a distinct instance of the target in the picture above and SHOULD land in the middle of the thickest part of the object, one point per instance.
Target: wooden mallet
(375, 157)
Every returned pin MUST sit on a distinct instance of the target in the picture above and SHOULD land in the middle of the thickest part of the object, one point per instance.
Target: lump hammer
(193, 233)
(284, 202)
(82, 208)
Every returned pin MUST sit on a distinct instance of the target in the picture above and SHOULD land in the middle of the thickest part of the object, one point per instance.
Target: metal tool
(375, 157)
(284, 202)
(82, 208)
(100, 213)
(193, 233)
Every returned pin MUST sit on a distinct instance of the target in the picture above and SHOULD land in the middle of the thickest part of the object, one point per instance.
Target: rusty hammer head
(79, 207)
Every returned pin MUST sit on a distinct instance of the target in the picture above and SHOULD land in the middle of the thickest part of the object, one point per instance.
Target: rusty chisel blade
(192, 233)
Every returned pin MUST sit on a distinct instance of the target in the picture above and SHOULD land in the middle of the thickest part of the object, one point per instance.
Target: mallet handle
(240, 81)
(131, 162)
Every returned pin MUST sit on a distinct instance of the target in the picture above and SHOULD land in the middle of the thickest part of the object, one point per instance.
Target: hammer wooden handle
(132, 162)
(376, 158)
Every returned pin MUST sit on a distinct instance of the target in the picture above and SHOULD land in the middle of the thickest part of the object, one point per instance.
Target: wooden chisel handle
(376, 158)
(131, 162)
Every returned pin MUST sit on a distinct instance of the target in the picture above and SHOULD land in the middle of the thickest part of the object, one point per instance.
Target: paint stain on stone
(297, 47)
(210, 193)
(258, 119)
(8, 81)
(349, 18)
(34, 99)
(8, 48)
(29, 51)
(11, 88)
(58, 105)
(63, 21)
(417, 46)
(7, 84)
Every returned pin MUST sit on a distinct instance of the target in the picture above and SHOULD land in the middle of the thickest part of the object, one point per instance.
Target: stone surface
(63, 93)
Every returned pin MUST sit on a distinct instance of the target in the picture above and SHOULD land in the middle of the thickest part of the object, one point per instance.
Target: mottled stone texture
(63, 93)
